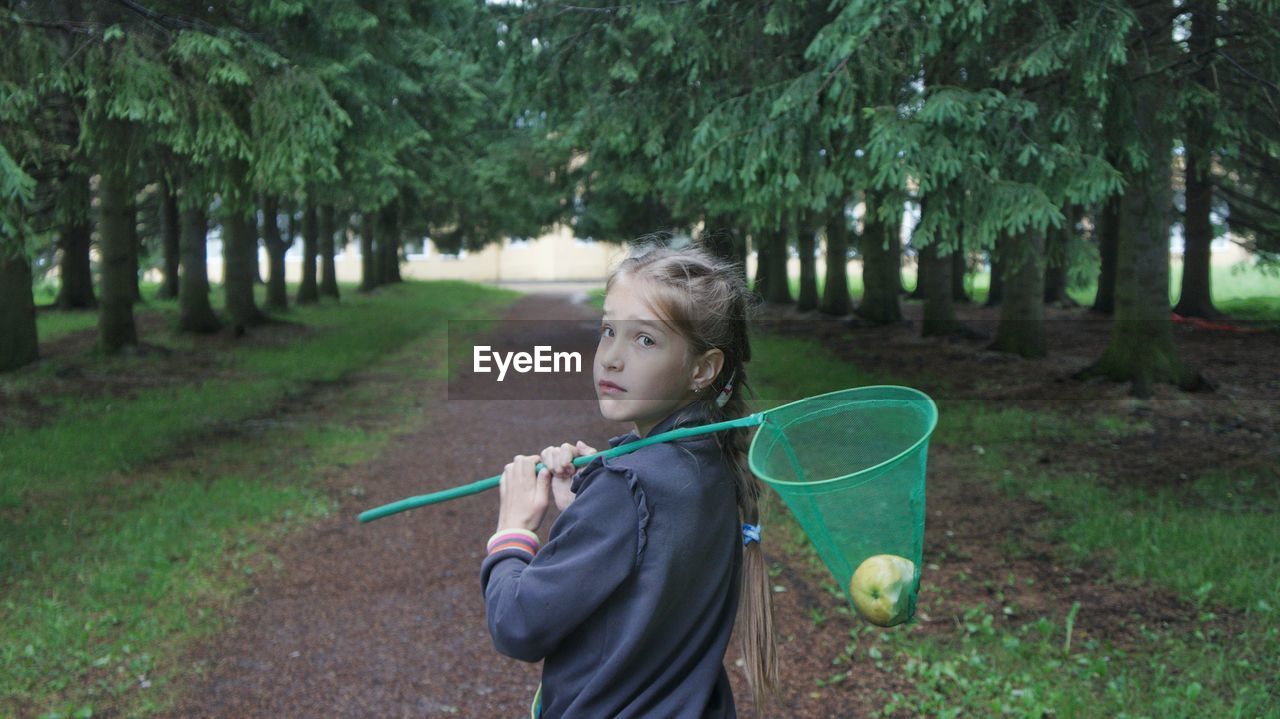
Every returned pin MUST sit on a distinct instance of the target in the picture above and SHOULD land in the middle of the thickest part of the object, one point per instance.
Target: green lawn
(1213, 555)
(112, 562)
(1246, 293)
(1206, 542)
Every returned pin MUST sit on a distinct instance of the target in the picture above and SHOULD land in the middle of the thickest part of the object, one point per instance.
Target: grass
(1241, 291)
(117, 553)
(112, 563)
(1202, 541)
(1037, 670)
(53, 324)
(1205, 543)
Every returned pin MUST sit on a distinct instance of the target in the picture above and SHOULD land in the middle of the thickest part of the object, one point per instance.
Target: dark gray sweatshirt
(632, 600)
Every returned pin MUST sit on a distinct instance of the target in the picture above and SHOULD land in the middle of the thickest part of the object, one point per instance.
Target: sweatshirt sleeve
(533, 603)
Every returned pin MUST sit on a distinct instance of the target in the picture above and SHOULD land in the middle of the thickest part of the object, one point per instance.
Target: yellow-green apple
(881, 588)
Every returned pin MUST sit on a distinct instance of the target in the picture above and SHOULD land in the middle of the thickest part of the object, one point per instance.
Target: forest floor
(386, 618)
(995, 536)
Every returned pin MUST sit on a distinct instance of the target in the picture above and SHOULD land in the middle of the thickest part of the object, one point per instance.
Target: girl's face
(642, 368)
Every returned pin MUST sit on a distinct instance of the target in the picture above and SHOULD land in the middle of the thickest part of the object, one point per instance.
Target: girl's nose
(610, 358)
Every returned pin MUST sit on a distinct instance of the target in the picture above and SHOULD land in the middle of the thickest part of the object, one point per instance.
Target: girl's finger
(551, 458)
(566, 457)
(530, 461)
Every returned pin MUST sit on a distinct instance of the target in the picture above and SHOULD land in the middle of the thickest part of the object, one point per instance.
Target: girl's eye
(647, 341)
(606, 331)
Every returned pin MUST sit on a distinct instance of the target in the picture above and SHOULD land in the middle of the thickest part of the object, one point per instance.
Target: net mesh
(850, 465)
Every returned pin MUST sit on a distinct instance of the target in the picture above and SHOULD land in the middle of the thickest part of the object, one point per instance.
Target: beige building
(554, 257)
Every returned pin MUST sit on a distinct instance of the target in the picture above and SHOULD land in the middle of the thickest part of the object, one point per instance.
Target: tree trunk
(398, 247)
(958, 271)
(195, 314)
(1021, 328)
(397, 241)
(368, 260)
(308, 289)
(808, 298)
(779, 288)
(1056, 261)
(239, 246)
(75, 197)
(935, 283)
(1141, 347)
(1196, 299)
(384, 230)
(277, 292)
(382, 238)
(170, 232)
(995, 293)
(135, 246)
(835, 291)
(328, 271)
(388, 245)
(717, 237)
(117, 238)
(1104, 301)
(881, 267)
(76, 287)
(18, 342)
(939, 313)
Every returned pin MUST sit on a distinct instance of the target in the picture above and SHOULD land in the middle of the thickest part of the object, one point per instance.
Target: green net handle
(750, 420)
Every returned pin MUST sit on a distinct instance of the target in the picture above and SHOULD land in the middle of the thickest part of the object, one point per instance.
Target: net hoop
(866, 473)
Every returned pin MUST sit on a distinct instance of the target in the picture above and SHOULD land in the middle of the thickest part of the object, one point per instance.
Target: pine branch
(1243, 199)
(1242, 69)
(84, 28)
(166, 22)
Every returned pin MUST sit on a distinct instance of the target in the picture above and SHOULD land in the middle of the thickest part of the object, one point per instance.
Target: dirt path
(386, 619)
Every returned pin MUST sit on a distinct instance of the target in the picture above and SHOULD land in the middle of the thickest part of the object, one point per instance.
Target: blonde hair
(706, 300)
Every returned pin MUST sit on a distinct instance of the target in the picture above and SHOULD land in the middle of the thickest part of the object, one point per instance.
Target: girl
(633, 598)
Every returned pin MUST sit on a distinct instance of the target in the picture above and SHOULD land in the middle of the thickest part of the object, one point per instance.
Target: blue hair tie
(750, 533)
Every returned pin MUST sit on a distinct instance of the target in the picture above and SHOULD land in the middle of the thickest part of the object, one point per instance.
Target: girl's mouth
(608, 387)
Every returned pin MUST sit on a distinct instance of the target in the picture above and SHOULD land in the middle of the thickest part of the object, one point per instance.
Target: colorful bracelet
(514, 539)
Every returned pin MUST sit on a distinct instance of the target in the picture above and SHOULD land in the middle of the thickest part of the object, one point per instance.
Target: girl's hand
(560, 459)
(524, 496)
